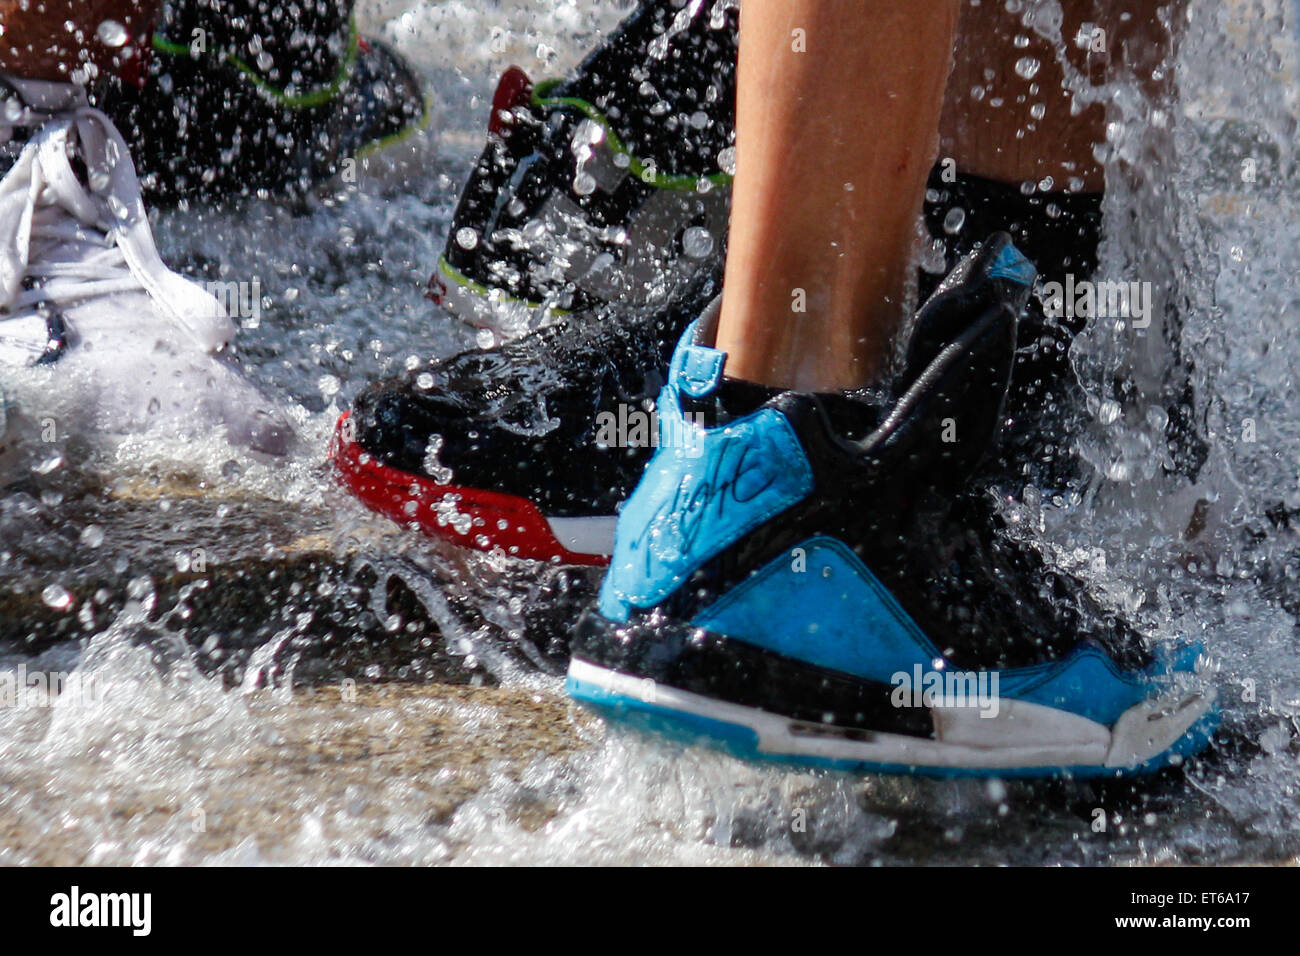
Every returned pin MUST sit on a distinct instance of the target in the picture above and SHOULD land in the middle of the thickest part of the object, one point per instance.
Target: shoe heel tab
(697, 366)
(1009, 262)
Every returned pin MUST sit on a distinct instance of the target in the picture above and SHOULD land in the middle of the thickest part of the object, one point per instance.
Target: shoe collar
(698, 366)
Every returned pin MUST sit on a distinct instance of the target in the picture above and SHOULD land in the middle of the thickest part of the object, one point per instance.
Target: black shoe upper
(540, 239)
(522, 419)
(306, 94)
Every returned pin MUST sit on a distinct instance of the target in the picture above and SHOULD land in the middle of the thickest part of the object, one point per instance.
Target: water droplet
(1038, 110)
(697, 242)
(466, 237)
(485, 339)
(1109, 412)
(932, 258)
(424, 381)
(955, 219)
(57, 597)
(727, 160)
(434, 468)
(699, 119)
(49, 465)
(92, 536)
(1027, 67)
(584, 184)
(588, 133)
(112, 34)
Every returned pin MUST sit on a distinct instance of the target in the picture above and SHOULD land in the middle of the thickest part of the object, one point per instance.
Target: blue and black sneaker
(817, 579)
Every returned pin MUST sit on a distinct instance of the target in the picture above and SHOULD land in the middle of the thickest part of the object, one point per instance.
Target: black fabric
(305, 41)
(1059, 232)
(523, 418)
(650, 102)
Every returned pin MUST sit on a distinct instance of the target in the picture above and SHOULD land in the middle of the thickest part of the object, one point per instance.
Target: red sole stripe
(513, 524)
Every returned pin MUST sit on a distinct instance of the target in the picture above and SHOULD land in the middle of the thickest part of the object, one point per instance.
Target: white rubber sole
(594, 536)
(1022, 735)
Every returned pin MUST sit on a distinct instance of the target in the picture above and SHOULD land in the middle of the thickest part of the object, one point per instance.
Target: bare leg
(36, 43)
(1007, 116)
(835, 138)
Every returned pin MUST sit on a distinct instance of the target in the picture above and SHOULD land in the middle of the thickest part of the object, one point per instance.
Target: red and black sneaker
(529, 447)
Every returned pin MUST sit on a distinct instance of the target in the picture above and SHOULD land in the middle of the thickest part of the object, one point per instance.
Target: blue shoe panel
(1087, 683)
(833, 613)
(697, 497)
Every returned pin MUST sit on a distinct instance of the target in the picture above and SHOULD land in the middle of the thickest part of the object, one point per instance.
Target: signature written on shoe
(696, 507)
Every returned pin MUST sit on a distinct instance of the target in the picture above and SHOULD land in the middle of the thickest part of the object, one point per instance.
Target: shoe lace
(73, 262)
(68, 237)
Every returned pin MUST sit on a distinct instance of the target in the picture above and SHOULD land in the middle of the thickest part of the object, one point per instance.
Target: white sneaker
(82, 287)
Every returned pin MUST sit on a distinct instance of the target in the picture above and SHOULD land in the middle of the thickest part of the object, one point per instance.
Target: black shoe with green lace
(610, 185)
(242, 97)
